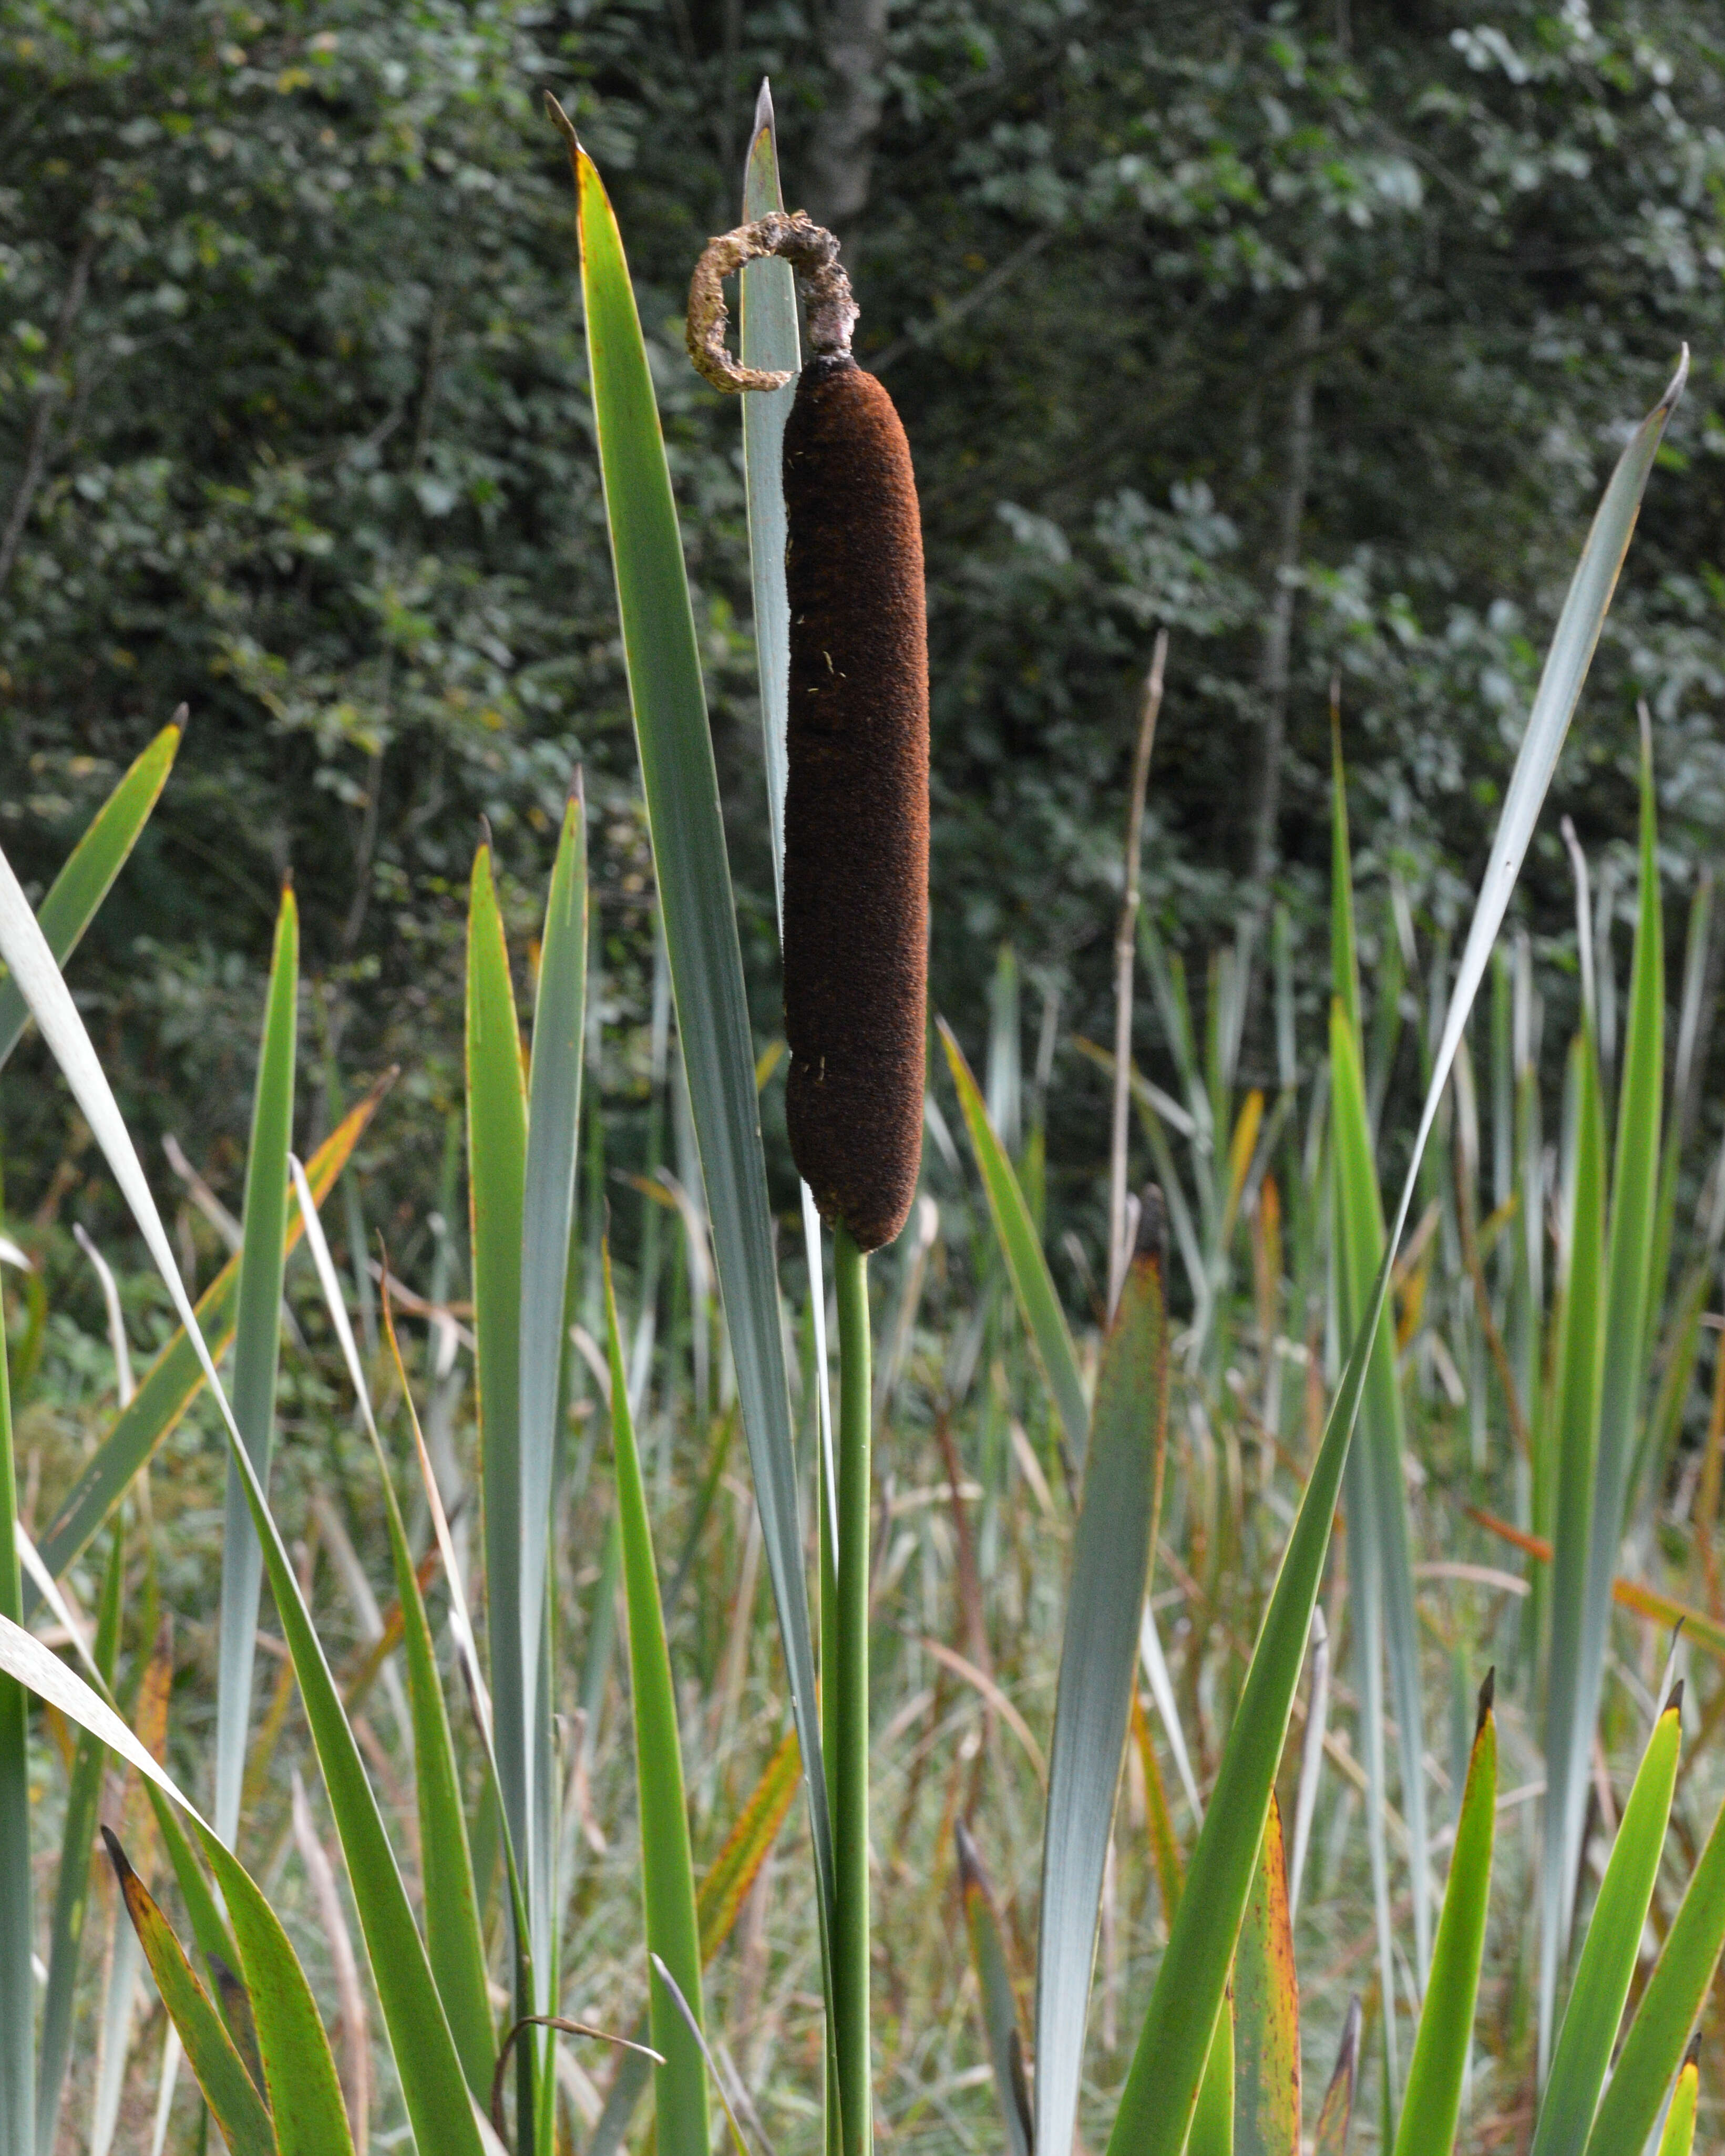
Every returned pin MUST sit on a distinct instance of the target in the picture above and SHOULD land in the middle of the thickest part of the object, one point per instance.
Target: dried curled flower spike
(856, 793)
(813, 252)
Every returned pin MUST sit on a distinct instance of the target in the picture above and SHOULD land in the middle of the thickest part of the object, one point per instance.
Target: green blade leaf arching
(300, 2078)
(681, 786)
(1431, 2103)
(1609, 1953)
(1161, 2092)
(1668, 2008)
(433, 2091)
(90, 868)
(454, 1942)
(667, 1867)
(1020, 1245)
(71, 1899)
(235, 2103)
(1112, 1552)
(176, 1377)
(257, 1345)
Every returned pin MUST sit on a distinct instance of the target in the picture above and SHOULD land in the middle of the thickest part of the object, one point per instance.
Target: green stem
(850, 1685)
(829, 1645)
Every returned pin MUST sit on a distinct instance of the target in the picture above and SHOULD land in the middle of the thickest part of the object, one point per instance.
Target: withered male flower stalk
(856, 799)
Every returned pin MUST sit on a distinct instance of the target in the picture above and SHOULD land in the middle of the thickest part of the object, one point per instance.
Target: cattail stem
(827, 1536)
(851, 1687)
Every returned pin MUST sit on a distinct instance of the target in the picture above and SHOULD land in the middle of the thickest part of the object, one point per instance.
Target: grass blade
(1161, 2092)
(496, 1164)
(1266, 2011)
(1111, 1552)
(1635, 1195)
(1573, 1442)
(234, 2102)
(1679, 2136)
(176, 1377)
(90, 868)
(1608, 1955)
(438, 2107)
(71, 1899)
(547, 1229)
(667, 1867)
(994, 1987)
(257, 1345)
(1213, 2118)
(1674, 1997)
(681, 786)
(1378, 1469)
(1021, 1247)
(1431, 2103)
(300, 2079)
(453, 1940)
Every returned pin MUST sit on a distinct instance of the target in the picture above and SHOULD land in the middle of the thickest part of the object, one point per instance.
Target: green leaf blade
(236, 2105)
(89, 870)
(667, 1865)
(257, 1346)
(1111, 1551)
(1266, 2012)
(681, 786)
(1431, 2103)
(1609, 1953)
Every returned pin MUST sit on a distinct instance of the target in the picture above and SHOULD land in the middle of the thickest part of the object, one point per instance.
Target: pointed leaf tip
(565, 126)
(1691, 2057)
(764, 121)
(116, 1856)
(1675, 387)
(1674, 1705)
(1488, 1693)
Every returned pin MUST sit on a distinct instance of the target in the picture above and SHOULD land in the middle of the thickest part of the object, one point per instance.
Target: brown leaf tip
(1488, 1694)
(1153, 1224)
(1691, 2057)
(117, 1856)
(1674, 1705)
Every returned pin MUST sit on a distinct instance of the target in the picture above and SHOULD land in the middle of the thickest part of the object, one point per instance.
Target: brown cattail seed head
(856, 802)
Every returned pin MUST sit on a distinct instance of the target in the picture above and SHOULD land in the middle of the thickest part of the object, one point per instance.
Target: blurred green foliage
(293, 426)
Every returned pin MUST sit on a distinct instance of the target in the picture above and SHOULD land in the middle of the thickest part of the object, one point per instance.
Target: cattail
(856, 799)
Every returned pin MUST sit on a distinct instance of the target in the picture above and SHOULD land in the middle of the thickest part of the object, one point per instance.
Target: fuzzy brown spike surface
(856, 802)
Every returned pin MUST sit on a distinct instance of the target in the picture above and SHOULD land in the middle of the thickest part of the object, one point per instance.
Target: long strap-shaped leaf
(496, 1190)
(1432, 2100)
(432, 2090)
(1266, 2011)
(234, 2100)
(71, 1899)
(682, 792)
(547, 1227)
(1675, 1994)
(1157, 2104)
(1610, 1951)
(1112, 1552)
(1572, 1445)
(1635, 1195)
(453, 1940)
(257, 1344)
(667, 1869)
(91, 866)
(176, 1377)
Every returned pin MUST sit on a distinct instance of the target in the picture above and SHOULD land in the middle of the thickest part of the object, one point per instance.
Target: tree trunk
(1273, 666)
(842, 155)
